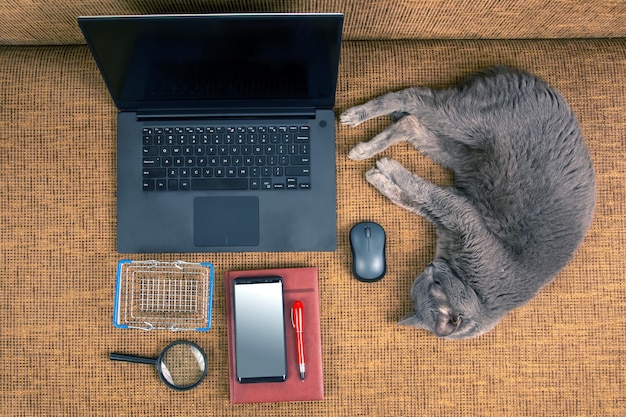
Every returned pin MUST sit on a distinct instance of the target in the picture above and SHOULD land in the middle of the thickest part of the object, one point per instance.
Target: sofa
(563, 354)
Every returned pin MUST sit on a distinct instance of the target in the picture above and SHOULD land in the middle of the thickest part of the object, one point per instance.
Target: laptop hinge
(291, 113)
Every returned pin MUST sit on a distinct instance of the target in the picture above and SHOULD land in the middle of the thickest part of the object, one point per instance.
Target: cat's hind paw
(354, 116)
(360, 152)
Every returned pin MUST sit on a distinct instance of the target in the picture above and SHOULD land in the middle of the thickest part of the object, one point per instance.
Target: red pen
(297, 321)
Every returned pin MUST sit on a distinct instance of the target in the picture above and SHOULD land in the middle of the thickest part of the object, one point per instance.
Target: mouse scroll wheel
(368, 232)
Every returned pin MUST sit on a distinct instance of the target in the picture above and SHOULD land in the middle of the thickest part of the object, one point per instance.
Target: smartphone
(260, 349)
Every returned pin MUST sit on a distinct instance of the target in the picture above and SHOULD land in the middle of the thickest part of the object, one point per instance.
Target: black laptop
(226, 133)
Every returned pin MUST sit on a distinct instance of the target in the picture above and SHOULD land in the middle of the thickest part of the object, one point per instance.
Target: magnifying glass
(181, 365)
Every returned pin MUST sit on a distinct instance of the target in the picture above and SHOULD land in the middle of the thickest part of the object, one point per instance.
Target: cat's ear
(410, 320)
(447, 323)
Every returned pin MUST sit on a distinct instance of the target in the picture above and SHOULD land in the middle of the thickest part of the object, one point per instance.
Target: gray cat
(522, 200)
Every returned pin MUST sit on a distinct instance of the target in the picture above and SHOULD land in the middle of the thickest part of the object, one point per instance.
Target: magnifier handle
(131, 358)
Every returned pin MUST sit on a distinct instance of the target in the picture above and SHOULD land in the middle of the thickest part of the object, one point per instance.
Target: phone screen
(260, 352)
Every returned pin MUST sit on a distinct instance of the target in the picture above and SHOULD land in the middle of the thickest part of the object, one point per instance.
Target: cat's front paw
(395, 173)
(353, 116)
(390, 166)
(375, 177)
(383, 182)
(389, 177)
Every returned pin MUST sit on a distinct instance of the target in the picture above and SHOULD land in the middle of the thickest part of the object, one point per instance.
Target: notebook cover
(299, 284)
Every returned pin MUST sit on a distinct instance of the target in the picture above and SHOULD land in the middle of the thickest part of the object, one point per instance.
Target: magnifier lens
(182, 365)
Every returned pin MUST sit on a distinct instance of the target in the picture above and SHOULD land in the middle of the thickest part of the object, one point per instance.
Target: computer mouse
(367, 241)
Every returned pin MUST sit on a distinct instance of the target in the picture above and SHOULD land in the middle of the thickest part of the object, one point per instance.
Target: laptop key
(297, 171)
(291, 183)
(300, 160)
(219, 184)
(154, 172)
(148, 185)
(151, 162)
(150, 151)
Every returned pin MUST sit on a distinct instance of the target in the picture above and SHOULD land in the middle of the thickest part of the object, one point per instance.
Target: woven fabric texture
(561, 355)
(54, 21)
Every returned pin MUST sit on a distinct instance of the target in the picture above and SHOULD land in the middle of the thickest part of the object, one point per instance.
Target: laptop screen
(218, 61)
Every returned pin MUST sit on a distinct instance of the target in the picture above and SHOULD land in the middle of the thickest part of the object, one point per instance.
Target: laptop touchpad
(226, 221)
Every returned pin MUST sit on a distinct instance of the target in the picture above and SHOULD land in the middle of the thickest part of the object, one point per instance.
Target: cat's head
(446, 306)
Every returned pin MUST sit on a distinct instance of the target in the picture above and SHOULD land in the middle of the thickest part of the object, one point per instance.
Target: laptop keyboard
(267, 157)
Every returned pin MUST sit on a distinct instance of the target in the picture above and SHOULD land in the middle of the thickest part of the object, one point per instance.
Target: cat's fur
(522, 199)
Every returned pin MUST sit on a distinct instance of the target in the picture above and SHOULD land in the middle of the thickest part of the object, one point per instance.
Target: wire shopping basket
(154, 295)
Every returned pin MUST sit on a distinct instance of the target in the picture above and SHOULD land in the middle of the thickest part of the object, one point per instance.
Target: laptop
(225, 129)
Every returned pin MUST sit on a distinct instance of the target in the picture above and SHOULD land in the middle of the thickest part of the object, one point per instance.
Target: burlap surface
(561, 355)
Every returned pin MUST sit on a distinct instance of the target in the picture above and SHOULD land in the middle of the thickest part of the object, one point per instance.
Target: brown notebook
(299, 284)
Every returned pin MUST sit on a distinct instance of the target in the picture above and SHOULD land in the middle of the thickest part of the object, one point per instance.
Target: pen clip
(297, 304)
